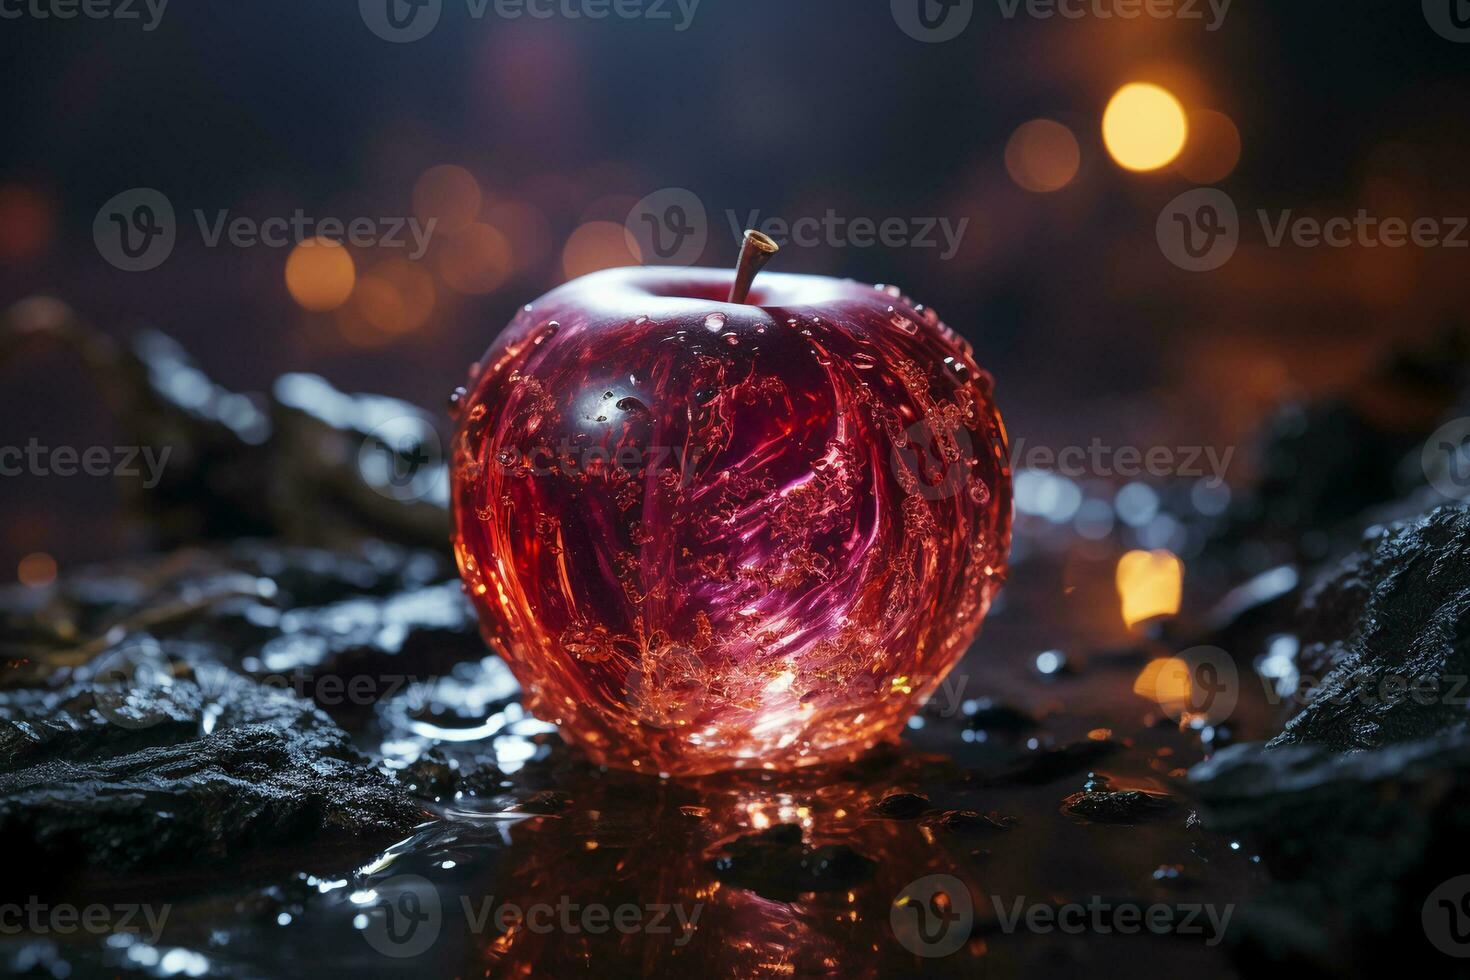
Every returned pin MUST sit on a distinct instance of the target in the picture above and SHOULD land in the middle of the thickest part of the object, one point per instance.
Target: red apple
(709, 534)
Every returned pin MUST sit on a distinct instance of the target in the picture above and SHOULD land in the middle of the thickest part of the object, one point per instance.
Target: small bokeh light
(320, 274)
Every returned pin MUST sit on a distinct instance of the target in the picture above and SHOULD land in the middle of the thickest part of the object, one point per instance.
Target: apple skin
(707, 535)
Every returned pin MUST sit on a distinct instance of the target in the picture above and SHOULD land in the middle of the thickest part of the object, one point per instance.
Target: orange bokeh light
(25, 223)
(320, 274)
(1144, 127)
(527, 229)
(1165, 681)
(1213, 149)
(392, 299)
(1150, 584)
(475, 261)
(449, 196)
(598, 245)
(36, 570)
(1043, 156)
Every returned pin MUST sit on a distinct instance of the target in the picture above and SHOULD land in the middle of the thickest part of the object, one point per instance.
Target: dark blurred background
(531, 139)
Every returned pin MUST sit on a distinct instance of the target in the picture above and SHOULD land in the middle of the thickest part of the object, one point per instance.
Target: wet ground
(1036, 776)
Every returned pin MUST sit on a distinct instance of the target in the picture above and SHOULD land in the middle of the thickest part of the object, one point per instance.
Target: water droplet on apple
(631, 404)
(715, 322)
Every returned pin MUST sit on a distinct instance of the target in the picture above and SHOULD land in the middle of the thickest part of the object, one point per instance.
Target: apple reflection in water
(779, 875)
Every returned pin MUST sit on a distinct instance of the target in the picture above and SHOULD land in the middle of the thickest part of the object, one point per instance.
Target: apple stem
(755, 252)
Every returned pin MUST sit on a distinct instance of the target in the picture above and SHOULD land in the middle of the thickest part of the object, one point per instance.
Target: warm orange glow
(526, 227)
(1144, 127)
(320, 274)
(391, 299)
(598, 245)
(1151, 584)
(1166, 682)
(36, 570)
(25, 223)
(477, 260)
(1213, 149)
(449, 195)
(1042, 156)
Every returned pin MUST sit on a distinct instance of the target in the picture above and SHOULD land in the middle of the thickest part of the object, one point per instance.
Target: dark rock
(777, 864)
(1322, 464)
(993, 716)
(101, 720)
(356, 628)
(199, 801)
(545, 802)
(305, 462)
(1354, 843)
(346, 629)
(967, 822)
(431, 776)
(901, 806)
(1127, 806)
(1387, 638)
